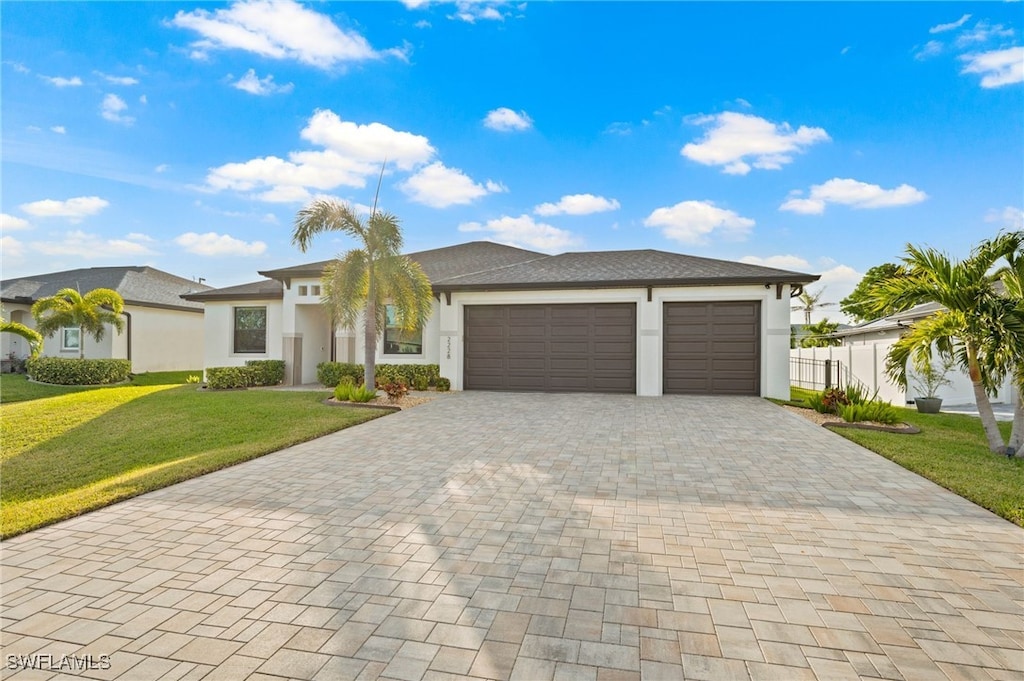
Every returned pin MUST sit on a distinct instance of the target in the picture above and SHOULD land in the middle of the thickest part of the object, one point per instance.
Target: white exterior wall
(219, 325)
(8, 341)
(431, 344)
(650, 339)
(163, 340)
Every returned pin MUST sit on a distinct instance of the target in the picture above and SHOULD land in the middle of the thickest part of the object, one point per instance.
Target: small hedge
(256, 372)
(67, 371)
(330, 373)
(266, 371)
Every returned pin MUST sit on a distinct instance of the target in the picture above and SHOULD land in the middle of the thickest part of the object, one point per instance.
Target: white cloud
(793, 263)
(423, 23)
(496, 187)
(277, 29)
(255, 85)
(692, 222)
(998, 67)
(11, 247)
(284, 181)
(1010, 217)
(89, 246)
(74, 209)
(138, 236)
(577, 204)
(162, 168)
(851, 193)
(59, 81)
(12, 223)
(504, 119)
(523, 231)
(930, 49)
(982, 33)
(117, 80)
(950, 26)
(439, 186)
(733, 137)
(59, 129)
(143, 100)
(112, 108)
(213, 244)
(619, 128)
(370, 143)
(472, 11)
(18, 66)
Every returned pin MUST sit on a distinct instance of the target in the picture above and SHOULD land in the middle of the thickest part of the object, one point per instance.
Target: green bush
(330, 373)
(67, 371)
(443, 385)
(226, 378)
(420, 383)
(880, 412)
(817, 403)
(266, 371)
(361, 394)
(396, 390)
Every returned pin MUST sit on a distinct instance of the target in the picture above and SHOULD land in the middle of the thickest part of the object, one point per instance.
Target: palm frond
(325, 215)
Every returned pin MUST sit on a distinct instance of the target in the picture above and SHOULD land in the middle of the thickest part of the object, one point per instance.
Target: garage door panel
(712, 348)
(563, 347)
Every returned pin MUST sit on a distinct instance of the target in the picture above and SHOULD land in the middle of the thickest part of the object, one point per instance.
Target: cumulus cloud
(11, 247)
(12, 223)
(255, 85)
(793, 263)
(90, 246)
(276, 29)
(524, 232)
(928, 50)
(59, 81)
(739, 141)
(213, 244)
(59, 129)
(111, 109)
(1010, 217)
(439, 186)
(162, 168)
(472, 11)
(998, 67)
(692, 222)
(982, 33)
(577, 204)
(851, 193)
(504, 119)
(74, 209)
(942, 28)
(371, 143)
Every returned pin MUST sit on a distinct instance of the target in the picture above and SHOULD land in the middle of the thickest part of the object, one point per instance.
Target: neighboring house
(864, 350)
(162, 331)
(640, 322)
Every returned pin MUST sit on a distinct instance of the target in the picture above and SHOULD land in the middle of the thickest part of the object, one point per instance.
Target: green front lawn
(75, 452)
(17, 388)
(951, 452)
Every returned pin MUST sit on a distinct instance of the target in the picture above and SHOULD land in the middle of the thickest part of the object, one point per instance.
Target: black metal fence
(816, 374)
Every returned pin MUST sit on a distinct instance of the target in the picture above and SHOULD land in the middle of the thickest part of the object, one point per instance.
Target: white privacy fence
(866, 364)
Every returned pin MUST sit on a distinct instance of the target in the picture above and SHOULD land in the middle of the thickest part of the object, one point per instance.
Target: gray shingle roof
(622, 268)
(256, 290)
(138, 285)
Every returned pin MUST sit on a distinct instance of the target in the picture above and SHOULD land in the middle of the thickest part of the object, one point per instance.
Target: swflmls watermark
(58, 663)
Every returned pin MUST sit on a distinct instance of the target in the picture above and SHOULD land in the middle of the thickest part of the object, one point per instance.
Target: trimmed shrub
(67, 371)
(443, 385)
(420, 383)
(330, 373)
(266, 371)
(226, 378)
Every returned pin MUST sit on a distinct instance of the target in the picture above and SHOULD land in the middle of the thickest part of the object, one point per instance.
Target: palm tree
(367, 279)
(35, 341)
(809, 303)
(970, 329)
(90, 313)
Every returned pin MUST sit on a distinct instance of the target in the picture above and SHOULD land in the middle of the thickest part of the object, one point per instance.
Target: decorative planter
(928, 405)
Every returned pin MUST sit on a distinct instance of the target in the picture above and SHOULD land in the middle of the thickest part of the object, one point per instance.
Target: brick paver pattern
(513, 536)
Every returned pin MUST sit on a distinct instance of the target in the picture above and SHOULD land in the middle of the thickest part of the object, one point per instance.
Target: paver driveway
(534, 537)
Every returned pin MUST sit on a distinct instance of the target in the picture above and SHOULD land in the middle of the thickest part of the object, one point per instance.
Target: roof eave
(627, 283)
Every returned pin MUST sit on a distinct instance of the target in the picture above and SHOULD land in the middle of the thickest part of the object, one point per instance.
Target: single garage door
(551, 348)
(712, 348)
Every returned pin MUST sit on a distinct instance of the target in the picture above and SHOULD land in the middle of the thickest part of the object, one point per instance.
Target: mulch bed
(832, 421)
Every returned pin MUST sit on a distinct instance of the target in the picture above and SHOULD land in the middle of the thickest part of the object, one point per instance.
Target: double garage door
(709, 348)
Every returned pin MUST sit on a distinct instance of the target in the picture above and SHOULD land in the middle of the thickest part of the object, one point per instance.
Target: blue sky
(820, 137)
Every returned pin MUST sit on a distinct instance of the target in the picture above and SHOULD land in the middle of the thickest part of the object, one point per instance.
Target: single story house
(162, 331)
(642, 322)
(865, 347)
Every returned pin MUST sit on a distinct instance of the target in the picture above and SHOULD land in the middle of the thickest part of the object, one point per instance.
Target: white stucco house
(163, 332)
(642, 322)
(863, 351)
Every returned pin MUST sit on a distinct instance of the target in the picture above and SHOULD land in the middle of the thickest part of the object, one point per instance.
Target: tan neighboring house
(641, 322)
(163, 331)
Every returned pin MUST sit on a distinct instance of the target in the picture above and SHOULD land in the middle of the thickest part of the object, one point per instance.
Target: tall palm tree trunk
(370, 335)
(81, 342)
(1017, 432)
(985, 412)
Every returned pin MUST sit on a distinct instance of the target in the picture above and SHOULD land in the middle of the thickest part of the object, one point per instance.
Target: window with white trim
(70, 339)
(250, 330)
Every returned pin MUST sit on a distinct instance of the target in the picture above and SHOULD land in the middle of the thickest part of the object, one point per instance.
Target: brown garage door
(712, 348)
(551, 348)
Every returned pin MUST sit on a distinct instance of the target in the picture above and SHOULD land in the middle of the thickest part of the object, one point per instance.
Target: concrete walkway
(500, 536)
